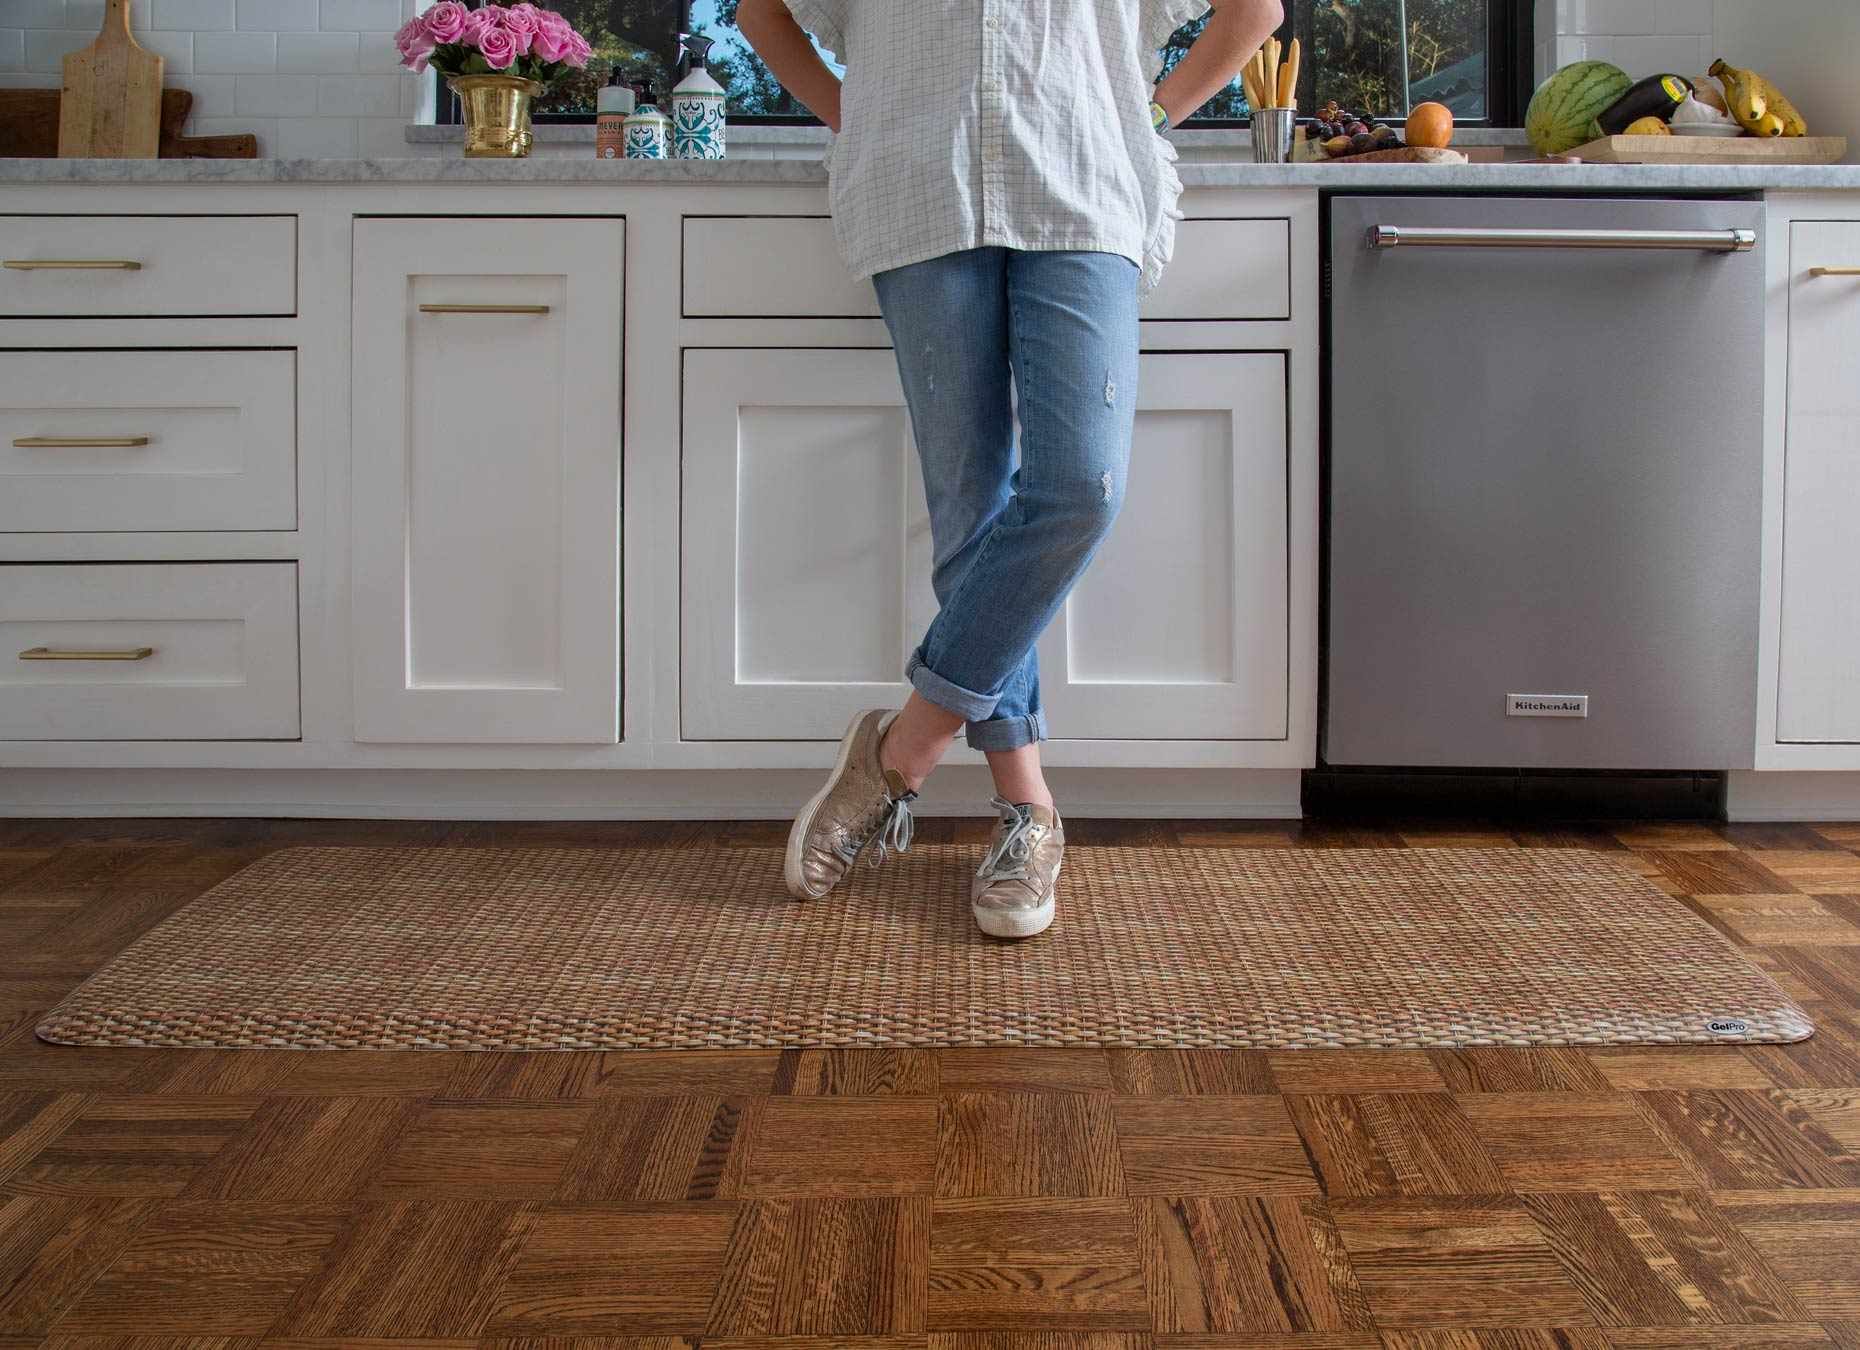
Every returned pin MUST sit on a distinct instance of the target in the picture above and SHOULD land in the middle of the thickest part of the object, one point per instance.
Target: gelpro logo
(1727, 1026)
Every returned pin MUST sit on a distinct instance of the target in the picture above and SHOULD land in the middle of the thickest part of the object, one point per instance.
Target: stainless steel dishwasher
(1544, 457)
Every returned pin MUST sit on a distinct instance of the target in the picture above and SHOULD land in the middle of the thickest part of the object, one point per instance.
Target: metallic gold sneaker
(861, 804)
(1015, 891)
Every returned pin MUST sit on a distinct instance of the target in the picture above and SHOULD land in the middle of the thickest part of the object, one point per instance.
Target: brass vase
(497, 114)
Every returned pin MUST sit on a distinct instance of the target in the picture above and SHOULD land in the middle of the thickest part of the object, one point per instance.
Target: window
(1472, 55)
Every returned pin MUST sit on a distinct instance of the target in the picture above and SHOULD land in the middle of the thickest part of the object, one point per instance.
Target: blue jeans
(1010, 541)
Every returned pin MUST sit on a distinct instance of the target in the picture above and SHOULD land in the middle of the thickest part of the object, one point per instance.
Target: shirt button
(993, 20)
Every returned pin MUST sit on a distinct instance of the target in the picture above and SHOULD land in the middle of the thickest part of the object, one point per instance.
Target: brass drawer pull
(1834, 271)
(78, 442)
(484, 309)
(72, 265)
(102, 654)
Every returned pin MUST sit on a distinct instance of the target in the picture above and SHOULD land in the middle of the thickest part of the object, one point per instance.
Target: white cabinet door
(1179, 629)
(1819, 666)
(486, 475)
(806, 543)
(807, 553)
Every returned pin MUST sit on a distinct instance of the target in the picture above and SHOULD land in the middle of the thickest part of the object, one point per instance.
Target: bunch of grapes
(1348, 133)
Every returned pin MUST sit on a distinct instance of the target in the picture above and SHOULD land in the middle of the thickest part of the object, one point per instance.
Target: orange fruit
(1429, 124)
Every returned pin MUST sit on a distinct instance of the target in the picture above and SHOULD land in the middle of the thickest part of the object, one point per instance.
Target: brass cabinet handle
(101, 654)
(484, 309)
(72, 265)
(78, 442)
(1834, 271)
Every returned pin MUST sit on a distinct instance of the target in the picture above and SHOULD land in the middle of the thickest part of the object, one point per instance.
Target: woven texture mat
(547, 949)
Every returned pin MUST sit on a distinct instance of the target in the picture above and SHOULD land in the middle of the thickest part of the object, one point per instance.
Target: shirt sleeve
(827, 20)
(1157, 20)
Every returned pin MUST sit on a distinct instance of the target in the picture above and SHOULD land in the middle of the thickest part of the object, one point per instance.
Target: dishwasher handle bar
(1708, 241)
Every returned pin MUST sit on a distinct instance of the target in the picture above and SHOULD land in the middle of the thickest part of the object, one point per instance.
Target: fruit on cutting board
(1647, 126)
(1754, 101)
(1656, 96)
(1566, 103)
(1429, 124)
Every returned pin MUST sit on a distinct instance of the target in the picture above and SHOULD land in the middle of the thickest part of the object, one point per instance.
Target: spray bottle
(697, 106)
(611, 106)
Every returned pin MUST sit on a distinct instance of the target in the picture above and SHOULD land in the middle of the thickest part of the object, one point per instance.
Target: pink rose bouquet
(521, 40)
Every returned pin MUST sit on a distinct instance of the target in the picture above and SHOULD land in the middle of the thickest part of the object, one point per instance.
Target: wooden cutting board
(1713, 150)
(110, 106)
(29, 128)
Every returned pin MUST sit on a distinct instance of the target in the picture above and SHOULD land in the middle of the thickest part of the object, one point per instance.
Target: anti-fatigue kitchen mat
(546, 949)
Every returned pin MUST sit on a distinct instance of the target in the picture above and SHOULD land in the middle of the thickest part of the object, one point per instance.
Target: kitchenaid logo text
(1546, 705)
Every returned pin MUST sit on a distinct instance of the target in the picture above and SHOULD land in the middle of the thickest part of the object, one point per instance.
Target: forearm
(784, 48)
(1235, 30)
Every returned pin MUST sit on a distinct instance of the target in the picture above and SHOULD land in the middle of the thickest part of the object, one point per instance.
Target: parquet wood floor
(1481, 1199)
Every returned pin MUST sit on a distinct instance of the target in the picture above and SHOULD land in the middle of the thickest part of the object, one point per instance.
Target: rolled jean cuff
(1007, 733)
(965, 703)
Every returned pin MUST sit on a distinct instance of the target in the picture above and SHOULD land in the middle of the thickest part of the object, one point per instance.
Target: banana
(1753, 99)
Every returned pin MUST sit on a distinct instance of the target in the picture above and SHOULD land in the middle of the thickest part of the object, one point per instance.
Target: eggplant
(1655, 96)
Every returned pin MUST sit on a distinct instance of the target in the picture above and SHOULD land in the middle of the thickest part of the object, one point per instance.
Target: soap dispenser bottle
(648, 129)
(697, 106)
(611, 107)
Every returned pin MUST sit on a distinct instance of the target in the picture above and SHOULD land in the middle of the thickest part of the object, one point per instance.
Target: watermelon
(1566, 103)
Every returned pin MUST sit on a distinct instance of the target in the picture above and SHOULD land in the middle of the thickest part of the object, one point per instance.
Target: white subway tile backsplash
(265, 128)
(360, 15)
(382, 137)
(12, 48)
(213, 94)
(316, 53)
(35, 13)
(1686, 16)
(275, 95)
(191, 16)
(358, 95)
(89, 14)
(316, 138)
(46, 48)
(29, 79)
(279, 16)
(1640, 56)
(175, 49)
(236, 53)
(378, 55)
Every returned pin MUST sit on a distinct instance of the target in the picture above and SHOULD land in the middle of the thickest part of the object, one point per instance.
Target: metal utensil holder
(1273, 129)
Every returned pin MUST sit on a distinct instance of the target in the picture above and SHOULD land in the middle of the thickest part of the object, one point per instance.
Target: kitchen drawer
(82, 267)
(1237, 269)
(147, 440)
(150, 652)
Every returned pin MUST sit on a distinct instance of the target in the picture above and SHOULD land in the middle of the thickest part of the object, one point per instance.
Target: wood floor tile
(471, 1150)
(1698, 872)
(1660, 1258)
(659, 1148)
(430, 1268)
(1190, 1073)
(28, 1064)
(1757, 835)
(355, 1073)
(1835, 1110)
(552, 1076)
(1678, 1066)
(1751, 1140)
(1575, 1141)
(1498, 1338)
(208, 1270)
(1010, 1070)
(1257, 1340)
(1829, 1058)
(1501, 1068)
(1025, 1340)
(1027, 1144)
(1355, 1071)
(226, 1073)
(52, 1248)
(1796, 1336)
(134, 1146)
(1670, 835)
(850, 1146)
(1811, 1240)
(30, 1121)
(305, 1148)
(1417, 1143)
(826, 1267)
(1768, 920)
(1035, 1263)
(1252, 1264)
(857, 1073)
(1211, 1146)
(1444, 1262)
(609, 1270)
(1845, 1334)
(661, 1073)
(1813, 871)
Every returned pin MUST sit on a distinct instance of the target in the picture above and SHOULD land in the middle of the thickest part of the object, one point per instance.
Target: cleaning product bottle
(697, 106)
(611, 106)
(648, 130)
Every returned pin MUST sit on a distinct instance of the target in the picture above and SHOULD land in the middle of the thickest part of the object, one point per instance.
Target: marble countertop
(551, 169)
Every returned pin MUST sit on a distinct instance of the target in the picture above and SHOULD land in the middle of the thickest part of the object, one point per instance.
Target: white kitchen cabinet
(1819, 658)
(807, 553)
(486, 479)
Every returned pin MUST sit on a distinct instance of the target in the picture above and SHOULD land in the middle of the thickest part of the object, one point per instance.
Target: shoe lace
(889, 824)
(1012, 849)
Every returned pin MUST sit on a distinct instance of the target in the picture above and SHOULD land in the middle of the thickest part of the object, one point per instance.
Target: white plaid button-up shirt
(1020, 123)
